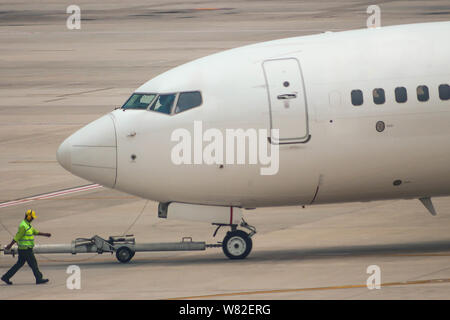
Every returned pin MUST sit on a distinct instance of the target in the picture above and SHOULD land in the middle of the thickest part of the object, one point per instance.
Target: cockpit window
(163, 103)
(188, 100)
(139, 101)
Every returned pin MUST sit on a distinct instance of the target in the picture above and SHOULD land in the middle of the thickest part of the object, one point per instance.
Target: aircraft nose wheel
(237, 244)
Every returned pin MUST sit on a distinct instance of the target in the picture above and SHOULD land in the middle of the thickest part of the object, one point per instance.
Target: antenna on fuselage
(429, 205)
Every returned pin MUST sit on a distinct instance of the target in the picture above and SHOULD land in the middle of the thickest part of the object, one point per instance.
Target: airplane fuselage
(342, 134)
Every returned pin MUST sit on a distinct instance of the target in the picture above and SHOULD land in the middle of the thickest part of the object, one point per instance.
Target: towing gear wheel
(124, 254)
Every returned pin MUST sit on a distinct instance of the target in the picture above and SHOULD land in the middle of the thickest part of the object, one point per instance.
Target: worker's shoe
(41, 281)
(7, 281)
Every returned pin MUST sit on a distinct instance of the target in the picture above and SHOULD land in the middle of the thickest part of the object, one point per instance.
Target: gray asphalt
(53, 81)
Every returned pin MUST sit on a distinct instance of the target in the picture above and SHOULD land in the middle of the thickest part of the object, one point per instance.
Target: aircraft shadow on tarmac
(262, 256)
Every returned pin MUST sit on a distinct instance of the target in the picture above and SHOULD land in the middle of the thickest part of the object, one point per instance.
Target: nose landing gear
(237, 244)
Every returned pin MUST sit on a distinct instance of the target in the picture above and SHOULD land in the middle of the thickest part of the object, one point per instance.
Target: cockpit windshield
(164, 103)
(139, 101)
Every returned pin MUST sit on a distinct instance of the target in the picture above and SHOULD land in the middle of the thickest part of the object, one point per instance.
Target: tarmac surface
(53, 81)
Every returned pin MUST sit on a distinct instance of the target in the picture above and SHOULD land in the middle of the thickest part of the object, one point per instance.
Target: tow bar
(124, 246)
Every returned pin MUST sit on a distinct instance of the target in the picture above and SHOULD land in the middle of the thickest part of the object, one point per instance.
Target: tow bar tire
(124, 254)
(237, 245)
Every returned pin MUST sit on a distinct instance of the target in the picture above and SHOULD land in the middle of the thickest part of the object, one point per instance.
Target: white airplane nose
(63, 155)
(90, 153)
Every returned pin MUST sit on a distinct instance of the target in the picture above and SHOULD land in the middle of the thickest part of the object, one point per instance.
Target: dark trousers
(27, 256)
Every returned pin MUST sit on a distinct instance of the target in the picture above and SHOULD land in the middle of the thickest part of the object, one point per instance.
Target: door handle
(287, 96)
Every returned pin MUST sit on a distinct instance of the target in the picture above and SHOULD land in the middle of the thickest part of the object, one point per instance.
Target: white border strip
(49, 195)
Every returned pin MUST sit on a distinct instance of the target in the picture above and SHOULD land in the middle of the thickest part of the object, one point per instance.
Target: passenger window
(139, 101)
(444, 92)
(401, 94)
(163, 103)
(357, 97)
(188, 100)
(378, 96)
(422, 93)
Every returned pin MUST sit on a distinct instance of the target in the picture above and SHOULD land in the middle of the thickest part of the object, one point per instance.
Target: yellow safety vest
(27, 241)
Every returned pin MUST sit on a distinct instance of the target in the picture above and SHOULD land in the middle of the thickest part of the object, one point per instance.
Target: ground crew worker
(25, 240)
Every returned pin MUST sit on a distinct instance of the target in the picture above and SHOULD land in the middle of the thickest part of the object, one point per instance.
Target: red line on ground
(49, 195)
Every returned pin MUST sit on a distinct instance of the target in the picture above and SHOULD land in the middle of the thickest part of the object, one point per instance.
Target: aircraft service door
(287, 100)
